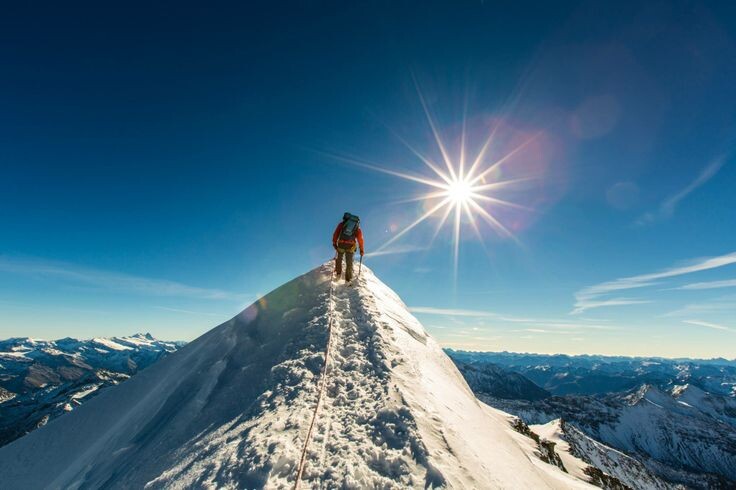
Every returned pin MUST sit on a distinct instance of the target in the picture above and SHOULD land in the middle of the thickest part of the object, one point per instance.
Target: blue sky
(164, 166)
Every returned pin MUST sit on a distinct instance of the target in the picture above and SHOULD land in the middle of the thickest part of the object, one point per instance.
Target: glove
(361, 253)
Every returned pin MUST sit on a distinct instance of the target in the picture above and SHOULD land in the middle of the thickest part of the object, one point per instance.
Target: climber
(344, 240)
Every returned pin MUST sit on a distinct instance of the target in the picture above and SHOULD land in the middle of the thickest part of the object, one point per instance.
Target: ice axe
(360, 266)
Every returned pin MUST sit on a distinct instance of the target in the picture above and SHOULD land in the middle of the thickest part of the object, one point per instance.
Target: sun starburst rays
(464, 191)
(466, 196)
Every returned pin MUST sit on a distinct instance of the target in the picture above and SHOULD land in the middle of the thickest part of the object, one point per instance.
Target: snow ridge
(233, 409)
(383, 436)
(322, 382)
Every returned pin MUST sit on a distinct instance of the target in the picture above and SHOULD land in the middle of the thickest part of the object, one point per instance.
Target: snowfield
(233, 409)
(579, 453)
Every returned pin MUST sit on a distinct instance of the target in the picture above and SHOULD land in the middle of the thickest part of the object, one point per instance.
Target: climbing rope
(322, 381)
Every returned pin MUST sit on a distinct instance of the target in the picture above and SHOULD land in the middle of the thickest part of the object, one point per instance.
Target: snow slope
(673, 438)
(719, 407)
(579, 452)
(232, 409)
(655, 424)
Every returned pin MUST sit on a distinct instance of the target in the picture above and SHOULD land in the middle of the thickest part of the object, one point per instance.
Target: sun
(460, 191)
(465, 189)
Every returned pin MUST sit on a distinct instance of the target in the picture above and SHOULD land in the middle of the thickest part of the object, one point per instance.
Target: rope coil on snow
(323, 383)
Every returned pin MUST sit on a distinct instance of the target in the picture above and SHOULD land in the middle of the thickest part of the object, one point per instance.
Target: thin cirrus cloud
(114, 281)
(546, 331)
(599, 295)
(539, 325)
(455, 312)
(588, 304)
(667, 208)
(714, 326)
(429, 310)
(728, 283)
(721, 306)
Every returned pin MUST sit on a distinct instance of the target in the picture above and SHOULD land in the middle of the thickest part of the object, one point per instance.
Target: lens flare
(454, 193)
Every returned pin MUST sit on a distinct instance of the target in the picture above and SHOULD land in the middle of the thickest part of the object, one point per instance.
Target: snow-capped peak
(678, 390)
(648, 393)
(336, 385)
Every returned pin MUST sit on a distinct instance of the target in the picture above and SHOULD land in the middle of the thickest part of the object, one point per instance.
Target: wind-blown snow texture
(232, 408)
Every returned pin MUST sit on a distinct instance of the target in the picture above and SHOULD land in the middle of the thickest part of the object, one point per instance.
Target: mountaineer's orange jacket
(347, 244)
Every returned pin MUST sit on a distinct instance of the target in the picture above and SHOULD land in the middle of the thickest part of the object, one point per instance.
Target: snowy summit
(317, 384)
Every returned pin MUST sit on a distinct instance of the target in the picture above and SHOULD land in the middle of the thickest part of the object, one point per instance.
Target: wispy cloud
(577, 326)
(728, 283)
(545, 331)
(714, 326)
(597, 296)
(535, 324)
(581, 306)
(668, 206)
(717, 306)
(429, 310)
(114, 281)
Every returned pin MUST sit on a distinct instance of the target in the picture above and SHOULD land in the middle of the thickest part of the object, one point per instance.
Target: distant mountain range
(676, 416)
(616, 422)
(42, 379)
(590, 375)
(491, 379)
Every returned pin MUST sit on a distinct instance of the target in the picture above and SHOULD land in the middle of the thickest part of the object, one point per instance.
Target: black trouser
(348, 254)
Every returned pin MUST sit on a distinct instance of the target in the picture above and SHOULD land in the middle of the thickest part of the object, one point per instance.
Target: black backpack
(349, 228)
